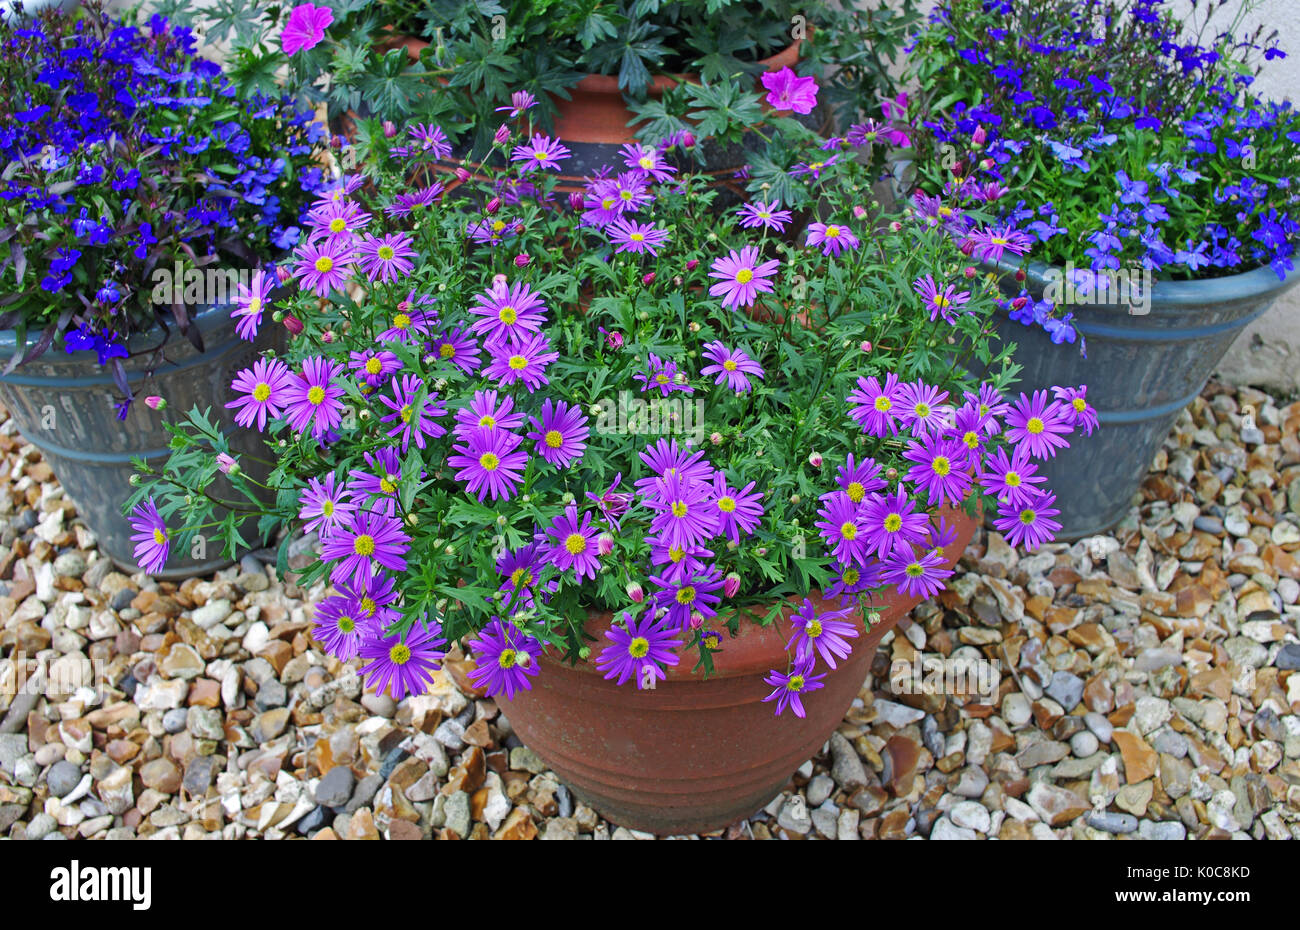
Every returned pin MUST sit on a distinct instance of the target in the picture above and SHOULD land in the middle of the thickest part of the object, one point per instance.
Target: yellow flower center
(893, 523)
(1035, 425)
(368, 606)
(832, 232)
(922, 410)
(346, 624)
(374, 366)
(679, 509)
(639, 648)
(324, 264)
(364, 545)
(851, 576)
(327, 508)
(575, 543)
(338, 224)
(521, 578)
(554, 439)
(646, 161)
(255, 305)
(507, 658)
(400, 654)
(914, 570)
(729, 364)
(941, 466)
(487, 420)
(637, 237)
(676, 553)
(1012, 479)
(848, 530)
(386, 252)
(518, 362)
(883, 404)
(401, 321)
(262, 391)
(971, 439)
(795, 683)
(813, 629)
(1028, 516)
(744, 276)
(316, 396)
(727, 504)
(1079, 404)
(856, 491)
(159, 536)
(446, 350)
(489, 461)
(507, 315)
(686, 595)
(405, 413)
(387, 486)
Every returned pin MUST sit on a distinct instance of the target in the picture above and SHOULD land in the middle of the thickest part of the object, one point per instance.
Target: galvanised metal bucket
(63, 404)
(1141, 370)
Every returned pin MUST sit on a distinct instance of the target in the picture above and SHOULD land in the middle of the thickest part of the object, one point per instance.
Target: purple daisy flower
(524, 359)
(385, 258)
(338, 628)
(573, 544)
(859, 479)
(827, 635)
(679, 562)
(684, 515)
(844, 529)
(377, 488)
(916, 575)
(265, 387)
(507, 311)
(815, 168)
(853, 580)
(644, 158)
(415, 201)
(373, 366)
(834, 238)
(767, 215)
(250, 300)
(875, 407)
(939, 469)
(374, 601)
(788, 688)
(632, 191)
(1037, 425)
(991, 405)
(152, 544)
(638, 650)
(689, 600)
(313, 397)
(969, 428)
(324, 266)
(634, 237)
(742, 277)
(521, 569)
(1029, 525)
(942, 535)
(664, 375)
(490, 463)
(404, 665)
(336, 221)
(505, 658)
(325, 505)
(482, 412)
(737, 511)
(1075, 409)
(407, 422)
(409, 321)
(431, 139)
(458, 347)
(1011, 478)
(539, 152)
(892, 523)
(921, 408)
(367, 543)
(940, 301)
(561, 434)
(732, 366)
(491, 232)
(989, 245)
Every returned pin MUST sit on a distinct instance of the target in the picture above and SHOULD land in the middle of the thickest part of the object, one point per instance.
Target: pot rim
(1257, 283)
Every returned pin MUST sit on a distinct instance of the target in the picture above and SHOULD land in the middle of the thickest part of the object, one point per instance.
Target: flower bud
(568, 498)
(986, 164)
(691, 265)
(866, 345)
(462, 174)
(575, 201)
(635, 591)
(693, 326)
(1020, 274)
(891, 473)
(648, 279)
(605, 543)
(688, 139)
(154, 402)
(1019, 302)
(226, 464)
(390, 129)
(715, 438)
(614, 340)
(969, 271)
(292, 324)
(493, 205)
(502, 134)
(522, 260)
(731, 584)
(761, 551)
(815, 459)
(414, 518)
(584, 652)
(796, 500)
(283, 274)
(895, 226)
(859, 211)
(980, 136)
(968, 247)
(327, 337)
(594, 410)
(697, 619)
(134, 481)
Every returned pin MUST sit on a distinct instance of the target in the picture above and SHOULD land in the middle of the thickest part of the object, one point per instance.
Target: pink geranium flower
(305, 28)
(788, 91)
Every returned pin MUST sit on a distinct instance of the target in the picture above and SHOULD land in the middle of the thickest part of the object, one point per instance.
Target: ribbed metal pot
(1141, 370)
(63, 404)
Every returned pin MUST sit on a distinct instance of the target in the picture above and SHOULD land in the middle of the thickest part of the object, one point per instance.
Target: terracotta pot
(694, 754)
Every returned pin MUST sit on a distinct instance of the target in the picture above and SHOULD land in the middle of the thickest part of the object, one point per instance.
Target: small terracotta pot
(694, 754)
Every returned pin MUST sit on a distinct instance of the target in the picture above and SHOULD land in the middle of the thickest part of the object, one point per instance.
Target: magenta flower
(404, 665)
(940, 301)
(338, 628)
(640, 650)
(876, 406)
(505, 658)
(741, 277)
(490, 463)
(844, 529)
(916, 575)
(408, 424)
(683, 514)
(250, 300)
(664, 375)
(634, 237)
(561, 434)
(373, 366)
(990, 405)
(788, 91)
(732, 366)
(921, 408)
(827, 635)
(323, 266)
(1037, 424)
(892, 523)
(1075, 410)
(483, 413)
(540, 152)
(990, 244)
(305, 27)
(939, 469)
(1011, 478)
(457, 347)
(325, 505)
(337, 221)
(408, 321)
(573, 544)
(152, 544)
(689, 599)
(756, 214)
(859, 479)
(367, 543)
(507, 311)
(666, 460)
(313, 397)
(265, 387)
(1031, 524)
(644, 158)
(414, 202)
(385, 258)
(737, 511)
(524, 359)
(834, 238)
(788, 688)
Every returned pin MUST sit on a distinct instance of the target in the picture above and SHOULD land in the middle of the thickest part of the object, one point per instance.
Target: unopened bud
(522, 260)
(283, 274)
(154, 402)
(605, 543)
(715, 438)
(859, 211)
(584, 652)
(969, 271)
(815, 459)
(1020, 274)
(327, 337)
(731, 584)
(462, 174)
(691, 265)
(390, 129)
(493, 205)
(292, 324)
(226, 464)
(635, 591)
(502, 134)
(575, 201)
(648, 279)
(895, 226)
(980, 136)
(866, 345)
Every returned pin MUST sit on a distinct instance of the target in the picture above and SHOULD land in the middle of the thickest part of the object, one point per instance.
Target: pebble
(1084, 744)
(335, 787)
(63, 777)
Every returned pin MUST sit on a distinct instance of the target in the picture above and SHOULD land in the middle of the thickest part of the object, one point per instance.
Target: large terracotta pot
(693, 754)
